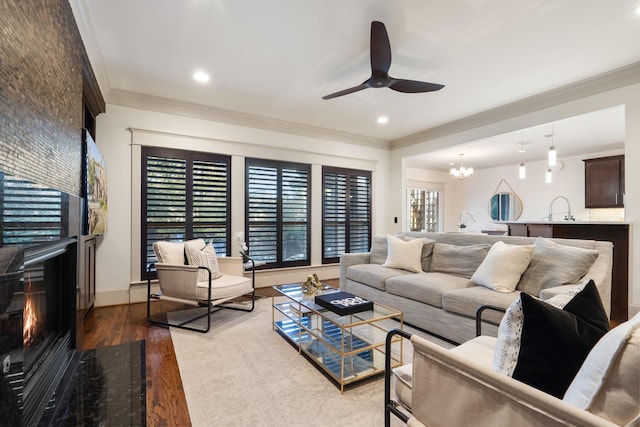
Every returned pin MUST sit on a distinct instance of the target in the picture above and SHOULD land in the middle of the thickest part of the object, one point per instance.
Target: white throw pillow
(503, 266)
(404, 255)
(611, 366)
(169, 252)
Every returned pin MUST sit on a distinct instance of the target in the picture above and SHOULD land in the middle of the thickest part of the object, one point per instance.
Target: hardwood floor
(106, 326)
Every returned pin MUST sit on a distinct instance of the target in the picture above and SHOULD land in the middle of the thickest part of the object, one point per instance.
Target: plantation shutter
(185, 196)
(278, 212)
(346, 212)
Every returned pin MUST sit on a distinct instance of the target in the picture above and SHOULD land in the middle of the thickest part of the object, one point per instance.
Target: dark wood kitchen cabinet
(604, 182)
(618, 234)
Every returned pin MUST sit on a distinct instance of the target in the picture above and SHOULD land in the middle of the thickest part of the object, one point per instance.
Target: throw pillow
(200, 254)
(427, 251)
(404, 255)
(459, 260)
(503, 266)
(553, 265)
(608, 383)
(543, 345)
(208, 259)
(192, 250)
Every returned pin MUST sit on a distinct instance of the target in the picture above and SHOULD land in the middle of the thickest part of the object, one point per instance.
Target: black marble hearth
(105, 387)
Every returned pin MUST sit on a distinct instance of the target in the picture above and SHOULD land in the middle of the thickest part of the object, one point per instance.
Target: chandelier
(461, 172)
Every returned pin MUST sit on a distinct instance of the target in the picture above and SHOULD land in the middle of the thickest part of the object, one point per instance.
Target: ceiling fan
(380, 62)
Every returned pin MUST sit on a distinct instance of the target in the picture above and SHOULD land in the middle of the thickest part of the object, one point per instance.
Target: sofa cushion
(378, 253)
(169, 252)
(459, 260)
(425, 287)
(608, 383)
(373, 275)
(404, 255)
(467, 301)
(553, 265)
(543, 344)
(503, 266)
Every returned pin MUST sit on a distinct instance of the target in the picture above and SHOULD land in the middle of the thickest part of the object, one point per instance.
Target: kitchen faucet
(567, 217)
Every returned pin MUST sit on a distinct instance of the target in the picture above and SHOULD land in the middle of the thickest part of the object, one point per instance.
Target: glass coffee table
(348, 348)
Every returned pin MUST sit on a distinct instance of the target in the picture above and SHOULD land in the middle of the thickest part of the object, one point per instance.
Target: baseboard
(112, 297)
(137, 291)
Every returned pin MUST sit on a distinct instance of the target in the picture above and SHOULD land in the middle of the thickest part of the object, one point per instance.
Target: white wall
(473, 194)
(537, 204)
(118, 251)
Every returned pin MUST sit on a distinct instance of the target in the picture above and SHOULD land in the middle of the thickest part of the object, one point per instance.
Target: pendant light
(548, 178)
(553, 158)
(522, 170)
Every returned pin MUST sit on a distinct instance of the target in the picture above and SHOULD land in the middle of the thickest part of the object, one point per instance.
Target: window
(185, 195)
(278, 212)
(423, 210)
(346, 212)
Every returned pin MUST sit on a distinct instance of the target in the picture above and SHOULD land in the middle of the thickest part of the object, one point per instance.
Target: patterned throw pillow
(543, 344)
(199, 253)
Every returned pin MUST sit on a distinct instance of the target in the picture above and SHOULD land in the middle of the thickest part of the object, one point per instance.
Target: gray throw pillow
(553, 265)
(459, 260)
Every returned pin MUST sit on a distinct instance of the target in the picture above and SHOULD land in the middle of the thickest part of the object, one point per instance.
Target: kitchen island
(616, 232)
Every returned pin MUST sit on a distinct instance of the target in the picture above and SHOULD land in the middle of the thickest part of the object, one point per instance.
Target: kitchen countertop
(572, 222)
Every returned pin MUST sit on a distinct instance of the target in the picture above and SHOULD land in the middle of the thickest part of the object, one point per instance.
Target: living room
(133, 120)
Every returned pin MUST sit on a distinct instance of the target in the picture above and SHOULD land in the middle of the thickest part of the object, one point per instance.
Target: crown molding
(85, 28)
(204, 112)
(610, 80)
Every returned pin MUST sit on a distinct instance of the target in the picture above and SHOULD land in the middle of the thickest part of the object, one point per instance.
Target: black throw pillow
(555, 341)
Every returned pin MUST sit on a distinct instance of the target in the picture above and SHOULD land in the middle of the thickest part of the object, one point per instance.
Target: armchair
(459, 386)
(206, 281)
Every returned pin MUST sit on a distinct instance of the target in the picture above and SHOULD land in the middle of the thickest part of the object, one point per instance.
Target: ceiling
(275, 59)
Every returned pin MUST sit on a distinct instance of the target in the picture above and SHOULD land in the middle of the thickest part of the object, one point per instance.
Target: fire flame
(30, 320)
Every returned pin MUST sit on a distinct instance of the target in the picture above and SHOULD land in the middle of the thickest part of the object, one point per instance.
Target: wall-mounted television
(94, 187)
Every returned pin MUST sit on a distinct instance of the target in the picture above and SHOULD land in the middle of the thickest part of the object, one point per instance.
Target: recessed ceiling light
(383, 119)
(201, 76)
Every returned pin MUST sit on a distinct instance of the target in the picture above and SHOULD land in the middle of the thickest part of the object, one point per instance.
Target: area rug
(242, 373)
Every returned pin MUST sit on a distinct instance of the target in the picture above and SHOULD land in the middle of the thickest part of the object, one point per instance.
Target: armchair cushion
(170, 252)
(543, 344)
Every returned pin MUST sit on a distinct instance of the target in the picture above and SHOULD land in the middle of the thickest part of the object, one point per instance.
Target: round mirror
(505, 207)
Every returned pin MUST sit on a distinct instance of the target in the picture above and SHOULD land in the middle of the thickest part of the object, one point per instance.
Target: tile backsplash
(610, 214)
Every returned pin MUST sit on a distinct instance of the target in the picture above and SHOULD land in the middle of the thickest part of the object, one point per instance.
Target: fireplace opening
(40, 307)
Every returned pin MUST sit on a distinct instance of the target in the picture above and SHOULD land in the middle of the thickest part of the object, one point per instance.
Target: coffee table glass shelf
(348, 348)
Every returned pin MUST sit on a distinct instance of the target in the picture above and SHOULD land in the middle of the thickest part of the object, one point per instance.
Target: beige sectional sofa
(441, 298)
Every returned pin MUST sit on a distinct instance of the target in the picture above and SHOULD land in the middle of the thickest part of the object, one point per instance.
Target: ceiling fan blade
(413, 86)
(346, 91)
(380, 48)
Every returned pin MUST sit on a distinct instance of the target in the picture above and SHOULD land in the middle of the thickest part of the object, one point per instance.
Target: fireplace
(38, 276)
